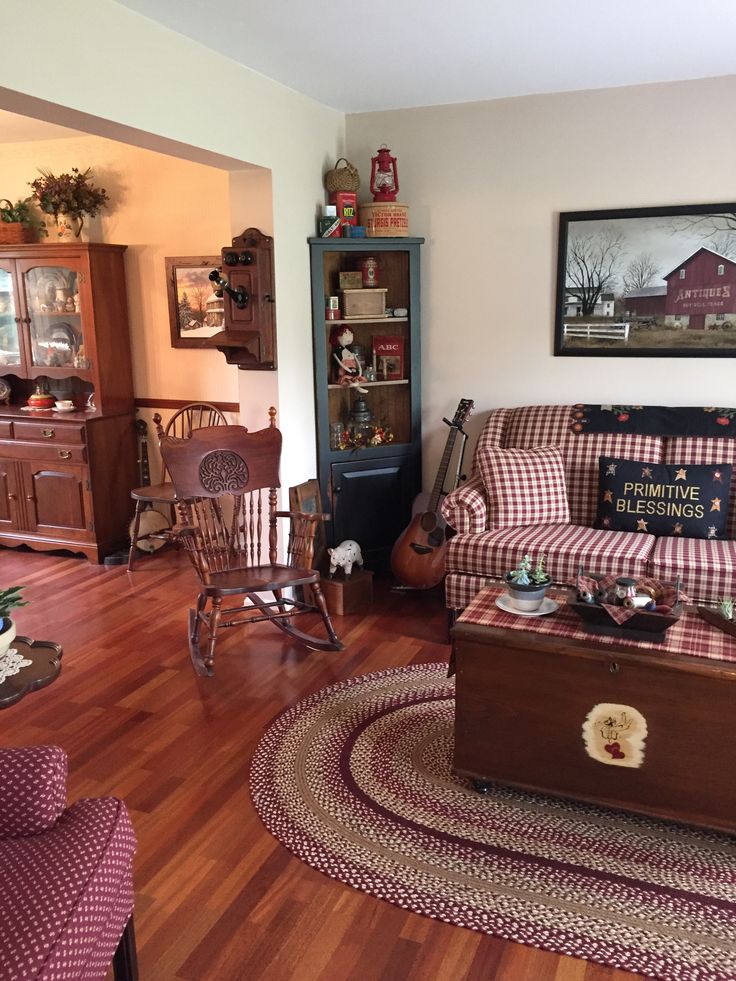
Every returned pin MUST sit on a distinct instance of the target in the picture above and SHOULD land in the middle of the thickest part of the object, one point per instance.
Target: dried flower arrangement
(73, 195)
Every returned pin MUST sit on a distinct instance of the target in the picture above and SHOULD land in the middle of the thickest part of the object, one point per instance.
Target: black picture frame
(647, 282)
(189, 276)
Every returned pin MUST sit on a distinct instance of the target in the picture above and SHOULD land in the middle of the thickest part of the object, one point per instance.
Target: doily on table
(11, 662)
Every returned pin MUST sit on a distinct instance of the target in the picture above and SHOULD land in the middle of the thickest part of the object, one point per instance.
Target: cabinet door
(372, 504)
(56, 498)
(56, 327)
(11, 509)
(10, 317)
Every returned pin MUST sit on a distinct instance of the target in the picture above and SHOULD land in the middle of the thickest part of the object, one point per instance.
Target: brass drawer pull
(65, 454)
(613, 667)
(48, 433)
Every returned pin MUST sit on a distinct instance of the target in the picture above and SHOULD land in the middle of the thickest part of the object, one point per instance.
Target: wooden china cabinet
(370, 477)
(65, 477)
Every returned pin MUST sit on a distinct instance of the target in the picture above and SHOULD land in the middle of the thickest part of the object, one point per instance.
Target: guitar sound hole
(429, 521)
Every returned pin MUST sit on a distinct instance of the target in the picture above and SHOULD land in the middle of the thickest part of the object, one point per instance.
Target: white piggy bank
(345, 555)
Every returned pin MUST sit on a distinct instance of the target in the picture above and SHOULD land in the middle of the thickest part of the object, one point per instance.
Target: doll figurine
(347, 367)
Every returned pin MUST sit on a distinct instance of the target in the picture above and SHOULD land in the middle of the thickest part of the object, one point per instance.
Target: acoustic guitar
(418, 557)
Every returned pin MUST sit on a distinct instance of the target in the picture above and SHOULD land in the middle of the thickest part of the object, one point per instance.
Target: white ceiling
(362, 55)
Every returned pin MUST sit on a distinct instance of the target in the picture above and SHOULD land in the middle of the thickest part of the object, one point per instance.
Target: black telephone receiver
(239, 296)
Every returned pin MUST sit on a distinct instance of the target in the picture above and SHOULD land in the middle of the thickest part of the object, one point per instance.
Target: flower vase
(63, 229)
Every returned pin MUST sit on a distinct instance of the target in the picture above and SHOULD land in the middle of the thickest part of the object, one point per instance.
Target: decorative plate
(548, 606)
(4, 390)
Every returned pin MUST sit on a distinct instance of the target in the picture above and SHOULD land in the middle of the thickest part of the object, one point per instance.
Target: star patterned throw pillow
(687, 500)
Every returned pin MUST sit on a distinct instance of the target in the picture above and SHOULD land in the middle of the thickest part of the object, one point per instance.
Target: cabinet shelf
(367, 320)
(375, 384)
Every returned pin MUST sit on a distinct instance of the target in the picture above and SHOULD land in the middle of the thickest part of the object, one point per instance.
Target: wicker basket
(14, 232)
(342, 178)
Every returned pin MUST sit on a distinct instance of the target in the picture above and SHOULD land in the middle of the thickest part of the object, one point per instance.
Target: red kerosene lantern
(384, 177)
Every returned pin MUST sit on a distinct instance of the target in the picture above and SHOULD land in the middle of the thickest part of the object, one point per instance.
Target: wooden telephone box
(245, 282)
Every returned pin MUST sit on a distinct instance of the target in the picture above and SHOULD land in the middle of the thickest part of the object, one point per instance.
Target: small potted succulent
(69, 197)
(9, 600)
(527, 584)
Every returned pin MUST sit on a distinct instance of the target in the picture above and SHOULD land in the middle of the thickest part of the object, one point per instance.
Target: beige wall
(138, 82)
(485, 183)
(159, 206)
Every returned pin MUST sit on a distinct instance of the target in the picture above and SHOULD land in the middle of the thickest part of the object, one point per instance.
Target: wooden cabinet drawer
(49, 432)
(6, 429)
(46, 452)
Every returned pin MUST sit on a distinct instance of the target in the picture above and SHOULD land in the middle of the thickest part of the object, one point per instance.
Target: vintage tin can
(369, 271)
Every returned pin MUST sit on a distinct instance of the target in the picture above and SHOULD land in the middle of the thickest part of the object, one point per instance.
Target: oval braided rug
(356, 781)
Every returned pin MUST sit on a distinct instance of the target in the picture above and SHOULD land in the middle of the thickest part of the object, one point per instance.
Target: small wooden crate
(364, 303)
(353, 595)
(351, 280)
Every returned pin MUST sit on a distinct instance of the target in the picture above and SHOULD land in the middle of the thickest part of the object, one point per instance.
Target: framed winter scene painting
(647, 282)
(196, 312)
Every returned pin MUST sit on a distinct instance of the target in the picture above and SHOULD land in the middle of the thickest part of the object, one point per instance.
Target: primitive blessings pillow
(662, 499)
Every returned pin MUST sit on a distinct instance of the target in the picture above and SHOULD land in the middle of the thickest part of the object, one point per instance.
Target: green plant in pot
(18, 222)
(9, 600)
(69, 197)
(527, 584)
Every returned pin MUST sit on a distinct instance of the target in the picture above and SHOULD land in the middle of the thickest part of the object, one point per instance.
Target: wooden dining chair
(226, 481)
(149, 529)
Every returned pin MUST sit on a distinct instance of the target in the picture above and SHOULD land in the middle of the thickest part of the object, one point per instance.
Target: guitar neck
(439, 483)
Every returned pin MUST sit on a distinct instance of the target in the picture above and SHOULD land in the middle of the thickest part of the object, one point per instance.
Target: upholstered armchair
(66, 883)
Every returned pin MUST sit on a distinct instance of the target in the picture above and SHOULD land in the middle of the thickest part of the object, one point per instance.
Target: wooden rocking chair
(222, 475)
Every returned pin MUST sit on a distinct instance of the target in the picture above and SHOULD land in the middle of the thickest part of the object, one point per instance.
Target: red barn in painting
(701, 291)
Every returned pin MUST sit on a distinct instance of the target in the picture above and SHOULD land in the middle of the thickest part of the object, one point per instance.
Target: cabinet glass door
(9, 321)
(56, 329)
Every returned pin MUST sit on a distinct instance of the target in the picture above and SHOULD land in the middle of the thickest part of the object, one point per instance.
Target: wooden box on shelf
(364, 303)
(353, 595)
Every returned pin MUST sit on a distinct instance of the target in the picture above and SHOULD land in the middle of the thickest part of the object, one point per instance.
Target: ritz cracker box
(346, 203)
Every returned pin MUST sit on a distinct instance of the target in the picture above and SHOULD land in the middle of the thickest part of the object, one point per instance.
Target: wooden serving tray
(643, 625)
(716, 620)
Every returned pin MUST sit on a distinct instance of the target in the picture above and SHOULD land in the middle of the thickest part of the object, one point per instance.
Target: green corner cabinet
(369, 455)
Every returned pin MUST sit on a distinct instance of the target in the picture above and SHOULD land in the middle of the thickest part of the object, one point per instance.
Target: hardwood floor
(217, 898)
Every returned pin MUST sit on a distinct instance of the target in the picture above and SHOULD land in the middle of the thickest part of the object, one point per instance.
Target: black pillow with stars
(687, 500)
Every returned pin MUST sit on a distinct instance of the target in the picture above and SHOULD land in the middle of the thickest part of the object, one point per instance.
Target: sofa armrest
(32, 789)
(466, 508)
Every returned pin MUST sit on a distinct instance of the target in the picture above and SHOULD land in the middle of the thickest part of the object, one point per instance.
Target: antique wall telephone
(245, 281)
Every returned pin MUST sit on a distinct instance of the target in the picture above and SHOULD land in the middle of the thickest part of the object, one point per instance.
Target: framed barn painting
(196, 313)
(647, 282)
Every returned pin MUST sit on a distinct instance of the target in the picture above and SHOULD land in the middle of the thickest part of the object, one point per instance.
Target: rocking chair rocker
(221, 475)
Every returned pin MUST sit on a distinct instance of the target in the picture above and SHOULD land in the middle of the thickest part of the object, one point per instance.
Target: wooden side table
(45, 667)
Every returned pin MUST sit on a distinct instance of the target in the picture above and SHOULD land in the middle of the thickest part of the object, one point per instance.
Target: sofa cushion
(524, 486)
(707, 568)
(692, 449)
(685, 500)
(550, 425)
(493, 553)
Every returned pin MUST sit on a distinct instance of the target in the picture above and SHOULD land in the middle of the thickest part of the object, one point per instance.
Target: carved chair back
(226, 481)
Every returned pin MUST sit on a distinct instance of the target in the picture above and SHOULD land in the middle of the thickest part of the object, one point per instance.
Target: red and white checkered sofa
(479, 553)
(66, 876)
